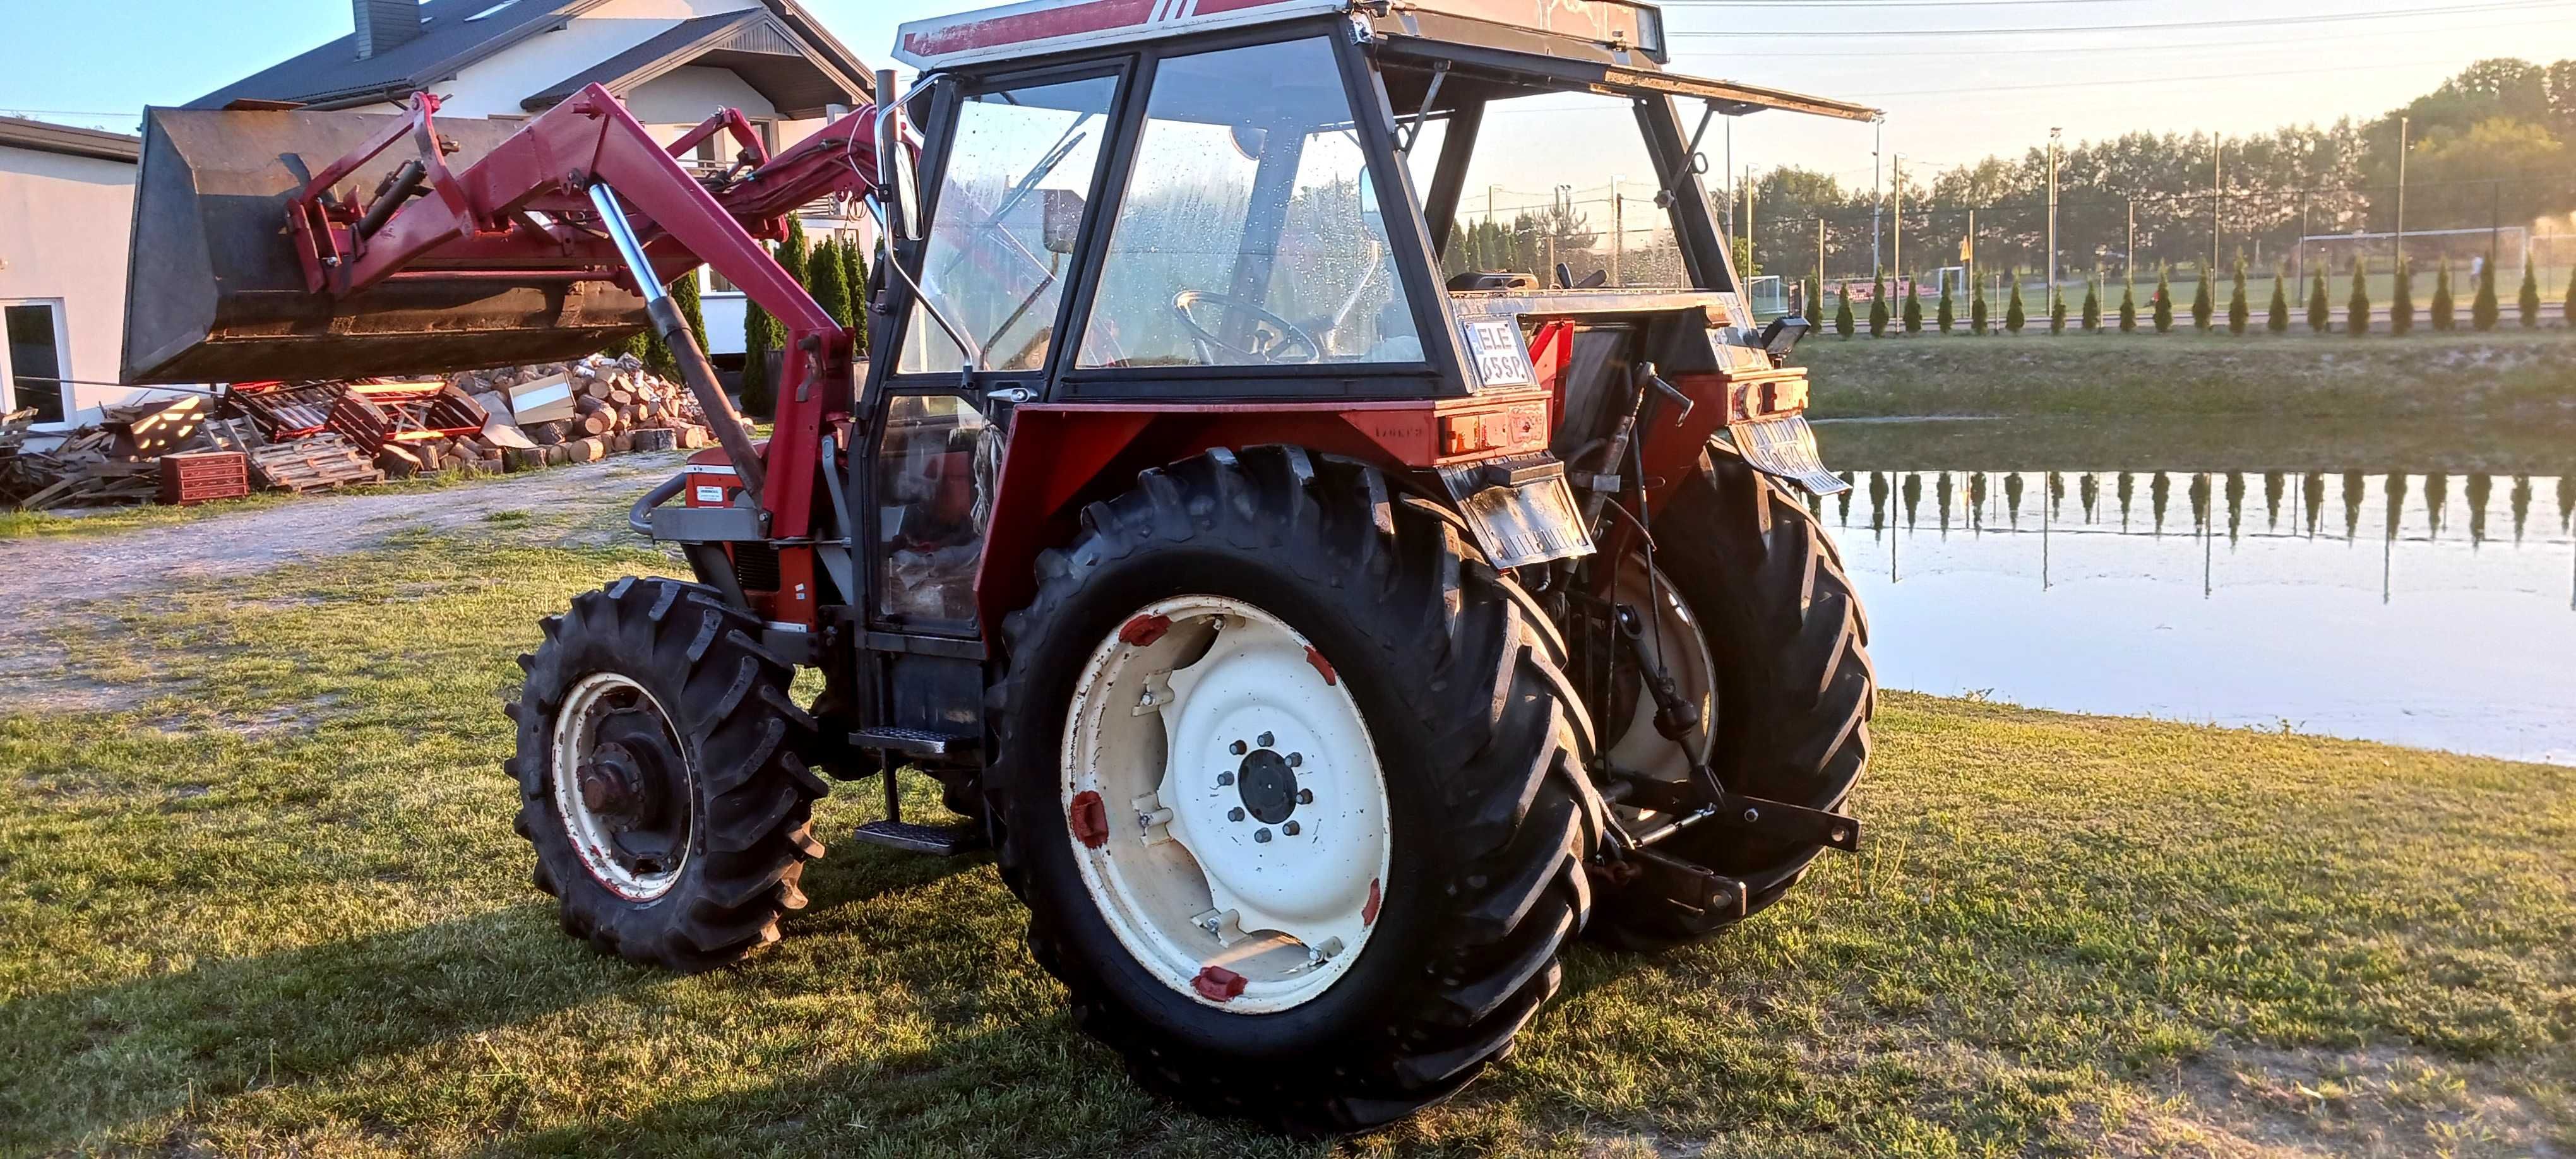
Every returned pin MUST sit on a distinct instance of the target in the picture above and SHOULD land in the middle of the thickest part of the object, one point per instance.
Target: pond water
(2424, 608)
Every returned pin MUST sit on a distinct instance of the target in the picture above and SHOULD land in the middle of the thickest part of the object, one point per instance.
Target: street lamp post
(1877, 193)
(2053, 133)
(1897, 266)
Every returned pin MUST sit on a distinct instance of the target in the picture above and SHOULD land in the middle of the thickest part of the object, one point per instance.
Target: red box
(199, 476)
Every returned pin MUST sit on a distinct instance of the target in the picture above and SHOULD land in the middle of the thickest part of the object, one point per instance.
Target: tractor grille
(755, 567)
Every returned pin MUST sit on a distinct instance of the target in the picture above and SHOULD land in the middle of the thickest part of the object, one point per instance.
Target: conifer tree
(1948, 312)
(2237, 311)
(684, 294)
(2401, 304)
(2014, 315)
(2278, 321)
(2567, 305)
(1913, 314)
(2529, 300)
(2129, 303)
(2320, 307)
(830, 286)
(1842, 312)
(2356, 307)
(791, 253)
(758, 339)
(2056, 311)
(1878, 304)
(1977, 309)
(854, 269)
(2445, 309)
(2200, 303)
(2164, 299)
(2093, 303)
(2483, 311)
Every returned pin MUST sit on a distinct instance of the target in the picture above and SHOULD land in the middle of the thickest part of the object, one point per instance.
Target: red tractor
(1326, 595)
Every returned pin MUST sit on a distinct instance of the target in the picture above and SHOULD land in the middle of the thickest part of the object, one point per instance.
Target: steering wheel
(1273, 338)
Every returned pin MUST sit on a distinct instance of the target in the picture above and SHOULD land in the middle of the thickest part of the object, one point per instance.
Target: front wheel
(1292, 791)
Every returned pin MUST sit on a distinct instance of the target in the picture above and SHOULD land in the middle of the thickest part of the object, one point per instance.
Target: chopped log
(545, 434)
(655, 439)
(523, 458)
(586, 450)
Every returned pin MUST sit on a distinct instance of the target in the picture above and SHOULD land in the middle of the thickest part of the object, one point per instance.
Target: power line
(2086, 84)
(2251, 22)
(2191, 46)
(1825, 5)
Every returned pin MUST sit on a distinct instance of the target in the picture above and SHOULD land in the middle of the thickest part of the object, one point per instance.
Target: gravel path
(47, 579)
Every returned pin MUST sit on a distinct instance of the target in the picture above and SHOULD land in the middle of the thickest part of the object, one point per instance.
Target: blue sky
(1952, 95)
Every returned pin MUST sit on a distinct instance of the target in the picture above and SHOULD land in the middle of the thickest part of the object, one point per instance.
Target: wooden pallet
(313, 463)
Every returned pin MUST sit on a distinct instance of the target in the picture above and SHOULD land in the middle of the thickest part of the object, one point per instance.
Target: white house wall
(495, 86)
(63, 227)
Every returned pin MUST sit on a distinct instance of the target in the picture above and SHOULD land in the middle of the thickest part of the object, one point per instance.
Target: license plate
(1786, 447)
(1527, 523)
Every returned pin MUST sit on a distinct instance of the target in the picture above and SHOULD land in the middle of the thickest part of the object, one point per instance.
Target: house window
(33, 368)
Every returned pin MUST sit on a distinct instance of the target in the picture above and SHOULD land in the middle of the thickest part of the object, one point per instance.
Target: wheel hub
(622, 786)
(1268, 785)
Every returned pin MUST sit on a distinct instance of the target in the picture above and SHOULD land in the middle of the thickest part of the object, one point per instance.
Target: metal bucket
(213, 292)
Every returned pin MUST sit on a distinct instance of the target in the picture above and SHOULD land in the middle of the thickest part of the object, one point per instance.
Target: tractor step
(913, 742)
(936, 840)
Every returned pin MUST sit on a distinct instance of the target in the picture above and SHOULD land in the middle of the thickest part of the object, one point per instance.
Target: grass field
(274, 907)
(2523, 376)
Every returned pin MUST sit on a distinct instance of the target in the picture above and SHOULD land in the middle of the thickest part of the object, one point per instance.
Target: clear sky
(1952, 96)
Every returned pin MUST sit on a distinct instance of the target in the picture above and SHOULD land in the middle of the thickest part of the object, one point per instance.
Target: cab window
(1249, 233)
(1002, 227)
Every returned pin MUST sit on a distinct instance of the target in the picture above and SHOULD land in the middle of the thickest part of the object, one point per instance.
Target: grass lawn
(2524, 377)
(276, 907)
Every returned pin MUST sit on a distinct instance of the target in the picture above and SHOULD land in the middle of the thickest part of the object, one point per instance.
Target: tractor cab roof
(1608, 46)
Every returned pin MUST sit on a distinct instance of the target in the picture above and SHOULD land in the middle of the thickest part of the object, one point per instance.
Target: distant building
(674, 62)
(66, 195)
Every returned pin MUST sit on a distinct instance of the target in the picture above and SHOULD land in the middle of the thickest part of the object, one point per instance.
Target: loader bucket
(214, 292)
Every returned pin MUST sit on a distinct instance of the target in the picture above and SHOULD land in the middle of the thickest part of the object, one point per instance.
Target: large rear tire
(1463, 803)
(1788, 644)
(662, 777)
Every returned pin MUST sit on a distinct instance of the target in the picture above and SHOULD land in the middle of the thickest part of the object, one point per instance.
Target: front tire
(661, 775)
(1376, 604)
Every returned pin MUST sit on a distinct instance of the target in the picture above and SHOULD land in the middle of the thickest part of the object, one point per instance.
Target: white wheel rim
(1197, 833)
(575, 741)
(1672, 638)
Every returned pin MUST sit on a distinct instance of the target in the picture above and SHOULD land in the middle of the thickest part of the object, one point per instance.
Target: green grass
(277, 908)
(2501, 375)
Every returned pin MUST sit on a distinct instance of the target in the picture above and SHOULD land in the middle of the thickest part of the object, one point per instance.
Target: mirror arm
(956, 333)
(1422, 116)
(1665, 197)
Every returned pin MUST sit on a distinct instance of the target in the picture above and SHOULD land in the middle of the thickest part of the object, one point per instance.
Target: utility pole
(2217, 149)
(1618, 230)
(1877, 195)
(2129, 248)
(1970, 281)
(1819, 304)
(2400, 245)
(2053, 132)
(1489, 220)
(1748, 217)
(2299, 256)
(1897, 163)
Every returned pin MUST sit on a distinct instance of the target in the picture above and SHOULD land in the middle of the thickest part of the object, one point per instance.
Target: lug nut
(1305, 796)
(1238, 748)
(1225, 778)
(1267, 740)
(1234, 814)
(1296, 759)
(1289, 828)
(1261, 836)
(1752, 815)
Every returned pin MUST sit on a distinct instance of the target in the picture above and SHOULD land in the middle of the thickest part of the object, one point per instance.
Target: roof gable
(799, 80)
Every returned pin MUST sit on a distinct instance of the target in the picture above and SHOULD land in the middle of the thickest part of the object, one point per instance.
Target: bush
(854, 267)
(2164, 299)
(2056, 311)
(2401, 305)
(1947, 313)
(2200, 304)
(2445, 309)
(1913, 315)
(2356, 308)
(2483, 312)
(759, 337)
(2278, 319)
(2129, 304)
(2567, 305)
(2529, 300)
(2093, 303)
(2236, 309)
(684, 294)
(2320, 308)
(1842, 313)
(2014, 315)
(1878, 304)
(829, 284)
(1977, 309)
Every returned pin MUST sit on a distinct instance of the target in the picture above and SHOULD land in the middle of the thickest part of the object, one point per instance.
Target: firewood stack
(577, 412)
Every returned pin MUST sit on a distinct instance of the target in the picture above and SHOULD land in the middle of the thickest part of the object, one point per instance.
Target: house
(673, 62)
(66, 195)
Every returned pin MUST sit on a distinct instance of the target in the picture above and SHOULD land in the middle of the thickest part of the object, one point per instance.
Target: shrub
(2164, 299)
(2567, 305)
(2529, 300)
(854, 267)
(829, 285)
(2200, 304)
(759, 337)
(2401, 305)
(1913, 315)
(1878, 304)
(2129, 304)
(2277, 320)
(2014, 315)
(1977, 309)
(2483, 312)
(2445, 309)
(2056, 311)
(2320, 308)
(1947, 313)
(2236, 309)
(2356, 308)
(2093, 303)
(1842, 313)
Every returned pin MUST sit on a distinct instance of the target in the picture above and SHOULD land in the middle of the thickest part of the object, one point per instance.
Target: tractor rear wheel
(661, 775)
(1784, 637)
(1292, 789)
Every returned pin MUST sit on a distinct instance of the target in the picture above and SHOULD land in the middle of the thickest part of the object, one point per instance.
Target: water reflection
(2448, 635)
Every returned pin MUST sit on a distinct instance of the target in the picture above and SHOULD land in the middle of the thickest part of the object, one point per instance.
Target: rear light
(1515, 428)
(1763, 398)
